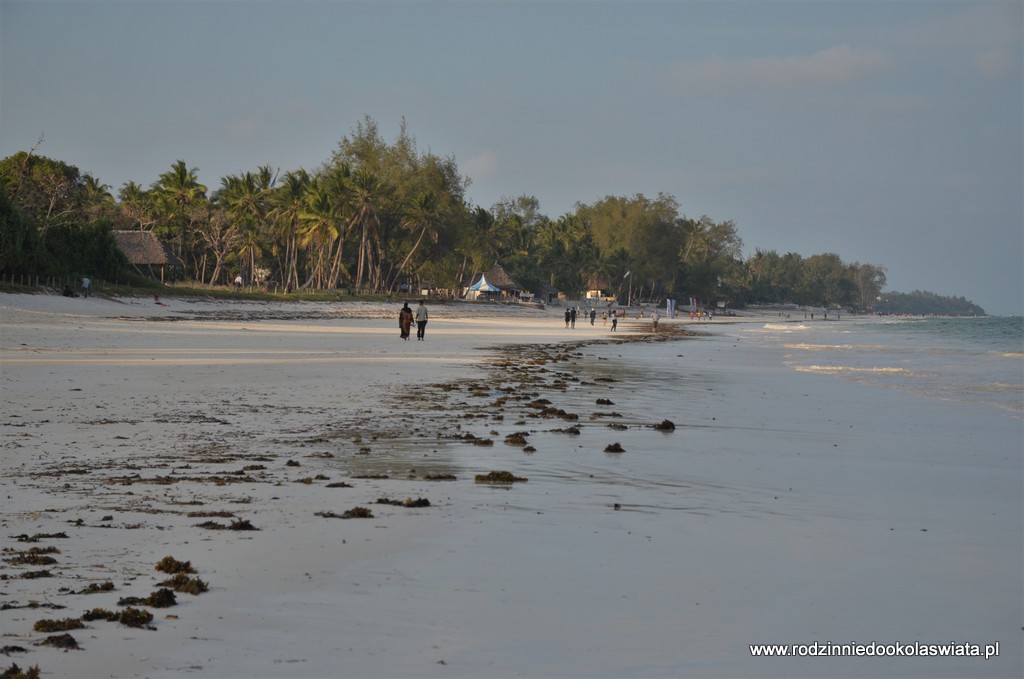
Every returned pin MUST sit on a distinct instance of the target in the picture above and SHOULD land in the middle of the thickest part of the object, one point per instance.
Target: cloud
(835, 66)
(996, 63)
(482, 166)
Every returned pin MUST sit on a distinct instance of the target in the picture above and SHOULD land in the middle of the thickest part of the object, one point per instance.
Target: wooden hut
(146, 253)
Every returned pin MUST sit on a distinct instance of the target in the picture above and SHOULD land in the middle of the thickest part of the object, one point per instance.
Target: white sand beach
(787, 506)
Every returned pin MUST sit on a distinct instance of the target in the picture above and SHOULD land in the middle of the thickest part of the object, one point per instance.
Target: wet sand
(783, 507)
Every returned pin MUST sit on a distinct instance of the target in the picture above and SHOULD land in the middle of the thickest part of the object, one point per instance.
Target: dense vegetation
(921, 303)
(378, 216)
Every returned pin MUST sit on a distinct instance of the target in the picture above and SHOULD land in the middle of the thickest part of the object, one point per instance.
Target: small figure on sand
(593, 315)
(86, 283)
(421, 321)
(67, 291)
(615, 320)
(572, 318)
(567, 316)
(654, 320)
(405, 321)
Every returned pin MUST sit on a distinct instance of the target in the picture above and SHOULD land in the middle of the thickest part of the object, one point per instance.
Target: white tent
(483, 286)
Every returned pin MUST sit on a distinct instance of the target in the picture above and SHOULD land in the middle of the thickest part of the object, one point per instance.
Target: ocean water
(971, 360)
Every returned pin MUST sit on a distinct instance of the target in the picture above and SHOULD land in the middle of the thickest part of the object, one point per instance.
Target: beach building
(494, 283)
(145, 252)
(598, 289)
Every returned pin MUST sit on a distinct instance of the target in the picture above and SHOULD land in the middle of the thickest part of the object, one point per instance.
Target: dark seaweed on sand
(498, 477)
(47, 625)
(171, 565)
(183, 583)
(60, 641)
(15, 672)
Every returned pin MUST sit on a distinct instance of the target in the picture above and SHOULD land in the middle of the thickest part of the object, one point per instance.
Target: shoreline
(601, 564)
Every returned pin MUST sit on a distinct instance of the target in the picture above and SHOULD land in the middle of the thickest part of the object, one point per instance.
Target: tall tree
(179, 194)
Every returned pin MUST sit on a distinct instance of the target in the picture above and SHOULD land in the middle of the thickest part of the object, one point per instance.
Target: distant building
(491, 284)
(145, 252)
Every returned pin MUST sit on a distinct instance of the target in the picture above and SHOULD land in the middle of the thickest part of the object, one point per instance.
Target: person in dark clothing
(572, 317)
(405, 321)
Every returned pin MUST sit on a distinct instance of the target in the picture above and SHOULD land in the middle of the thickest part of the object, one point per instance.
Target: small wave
(1000, 387)
(842, 369)
(834, 347)
(785, 327)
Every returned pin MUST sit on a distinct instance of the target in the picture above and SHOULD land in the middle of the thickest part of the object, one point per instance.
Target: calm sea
(975, 360)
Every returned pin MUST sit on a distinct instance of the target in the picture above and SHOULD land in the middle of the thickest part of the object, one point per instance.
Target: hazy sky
(887, 132)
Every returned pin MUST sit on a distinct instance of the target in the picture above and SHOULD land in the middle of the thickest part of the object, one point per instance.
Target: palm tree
(137, 205)
(286, 204)
(367, 193)
(178, 192)
(321, 226)
(245, 199)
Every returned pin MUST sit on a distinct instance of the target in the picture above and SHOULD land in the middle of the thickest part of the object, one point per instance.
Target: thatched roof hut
(146, 252)
(497, 278)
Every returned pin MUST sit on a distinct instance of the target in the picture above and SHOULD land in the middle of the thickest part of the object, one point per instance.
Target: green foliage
(20, 247)
(87, 249)
(52, 220)
(382, 215)
(922, 303)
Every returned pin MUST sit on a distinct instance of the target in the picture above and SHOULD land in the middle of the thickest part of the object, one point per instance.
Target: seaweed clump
(498, 477)
(60, 641)
(238, 524)
(135, 617)
(162, 598)
(665, 425)
(171, 566)
(407, 502)
(516, 439)
(614, 448)
(64, 625)
(100, 614)
(183, 583)
(94, 588)
(15, 672)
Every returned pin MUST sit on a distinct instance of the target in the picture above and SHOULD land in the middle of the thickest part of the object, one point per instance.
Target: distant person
(86, 284)
(288, 288)
(654, 319)
(615, 321)
(405, 321)
(572, 318)
(568, 315)
(593, 315)
(421, 321)
(67, 292)
(238, 281)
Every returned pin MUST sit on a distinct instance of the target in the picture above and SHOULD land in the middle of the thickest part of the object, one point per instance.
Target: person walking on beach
(593, 315)
(615, 321)
(405, 321)
(85, 286)
(567, 316)
(421, 321)
(654, 320)
(572, 318)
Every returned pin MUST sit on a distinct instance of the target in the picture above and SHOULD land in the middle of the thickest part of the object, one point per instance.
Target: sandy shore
(783, 508)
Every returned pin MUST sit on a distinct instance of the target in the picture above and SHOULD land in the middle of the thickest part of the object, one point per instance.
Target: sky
(887, 132)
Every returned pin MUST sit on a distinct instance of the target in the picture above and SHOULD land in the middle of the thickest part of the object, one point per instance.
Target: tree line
(377, 217)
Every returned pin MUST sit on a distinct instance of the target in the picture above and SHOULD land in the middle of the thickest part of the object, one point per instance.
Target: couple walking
(405, 320)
